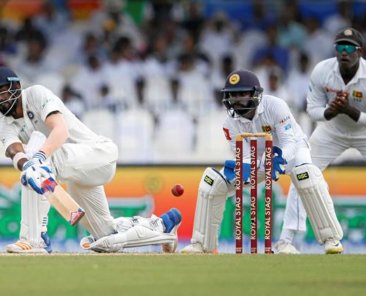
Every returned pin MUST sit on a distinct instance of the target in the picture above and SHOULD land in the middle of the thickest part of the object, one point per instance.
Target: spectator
(217, 38)
(73, 101)
(297, 83)
(194, 20)
(51, 21)
(88, 81)
(279, 53)
(319, 43)
(341, 19)
(7, 44)
(33, 63)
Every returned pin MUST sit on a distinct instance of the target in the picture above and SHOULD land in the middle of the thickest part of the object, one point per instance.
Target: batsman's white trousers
(85, 168)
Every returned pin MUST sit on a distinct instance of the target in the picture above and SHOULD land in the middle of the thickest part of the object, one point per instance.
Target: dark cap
(7, 76)
(241, 80)
(349, 35)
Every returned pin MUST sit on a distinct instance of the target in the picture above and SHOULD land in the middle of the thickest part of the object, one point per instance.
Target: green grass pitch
(176, 274)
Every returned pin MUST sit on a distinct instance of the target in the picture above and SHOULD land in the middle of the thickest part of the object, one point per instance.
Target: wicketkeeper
(251, 111)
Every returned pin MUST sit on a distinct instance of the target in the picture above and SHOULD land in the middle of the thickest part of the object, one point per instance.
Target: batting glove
(37, 160)
(37, 174)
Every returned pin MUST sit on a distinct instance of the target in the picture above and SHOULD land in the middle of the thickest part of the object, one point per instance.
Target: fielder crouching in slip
(72, 153)
(251, 111)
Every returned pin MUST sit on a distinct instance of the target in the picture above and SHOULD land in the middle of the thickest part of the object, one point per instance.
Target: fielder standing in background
(336, 100)
(76, 156)
(250, 112)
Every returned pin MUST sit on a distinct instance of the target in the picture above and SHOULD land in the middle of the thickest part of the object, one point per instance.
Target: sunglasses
(348, 48)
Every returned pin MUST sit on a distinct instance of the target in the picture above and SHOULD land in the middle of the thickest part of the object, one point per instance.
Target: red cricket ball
(178, 190)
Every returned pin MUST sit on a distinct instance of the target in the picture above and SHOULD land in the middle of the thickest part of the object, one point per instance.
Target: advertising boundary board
(146, 189)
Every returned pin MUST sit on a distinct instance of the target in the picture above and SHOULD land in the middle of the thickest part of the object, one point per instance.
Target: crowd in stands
(154, 87)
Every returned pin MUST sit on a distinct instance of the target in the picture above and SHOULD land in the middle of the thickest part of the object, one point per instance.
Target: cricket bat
(56, 195)
(62, 201)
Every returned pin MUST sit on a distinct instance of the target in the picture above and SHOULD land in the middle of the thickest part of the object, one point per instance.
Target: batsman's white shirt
(85, 162)
(332, 137)
(273, 115)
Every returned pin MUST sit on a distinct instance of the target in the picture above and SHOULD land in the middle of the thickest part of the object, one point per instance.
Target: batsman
(251, 111)
(71, 153)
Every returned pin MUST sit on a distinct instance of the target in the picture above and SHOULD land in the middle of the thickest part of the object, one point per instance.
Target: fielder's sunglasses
(348, 48)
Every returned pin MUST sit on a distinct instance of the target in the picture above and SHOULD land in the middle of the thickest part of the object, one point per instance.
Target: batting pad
(212, 192)
(136, 236)
(34, 220)
(313, 191)
(35, 143)
(34, 207)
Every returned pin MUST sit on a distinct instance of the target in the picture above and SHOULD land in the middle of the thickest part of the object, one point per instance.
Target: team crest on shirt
(357, 94)
(30, 115)
(227, 134)
(266, 128)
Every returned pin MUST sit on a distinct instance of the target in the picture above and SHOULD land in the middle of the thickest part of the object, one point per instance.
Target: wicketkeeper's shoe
(195, 248)
(332, 246)
(24, 247)
(171, 221)
(283, 247)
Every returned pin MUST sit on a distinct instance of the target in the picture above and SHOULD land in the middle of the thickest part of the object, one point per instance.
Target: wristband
(17, 157)
(40, 155)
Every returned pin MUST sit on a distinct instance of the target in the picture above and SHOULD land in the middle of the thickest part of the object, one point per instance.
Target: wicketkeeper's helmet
(235, 93)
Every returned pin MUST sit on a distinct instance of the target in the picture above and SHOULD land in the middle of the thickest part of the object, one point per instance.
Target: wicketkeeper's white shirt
(272, 115)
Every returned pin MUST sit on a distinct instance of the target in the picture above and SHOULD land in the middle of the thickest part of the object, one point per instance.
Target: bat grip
(49, 185)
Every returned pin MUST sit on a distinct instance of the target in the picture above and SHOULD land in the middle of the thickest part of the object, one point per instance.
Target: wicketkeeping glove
(229, 171)
(278, 163)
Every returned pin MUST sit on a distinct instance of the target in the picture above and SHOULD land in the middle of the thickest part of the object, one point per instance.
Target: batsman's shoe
(171, 221)
(332, 246)
(86, 241)
(195, 248)
(47, 242)
(283, 247)
(23, 247)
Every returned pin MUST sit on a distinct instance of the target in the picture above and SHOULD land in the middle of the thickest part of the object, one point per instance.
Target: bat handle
(49, 185)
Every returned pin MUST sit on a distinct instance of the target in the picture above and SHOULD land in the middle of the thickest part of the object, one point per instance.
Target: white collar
(361, 72)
